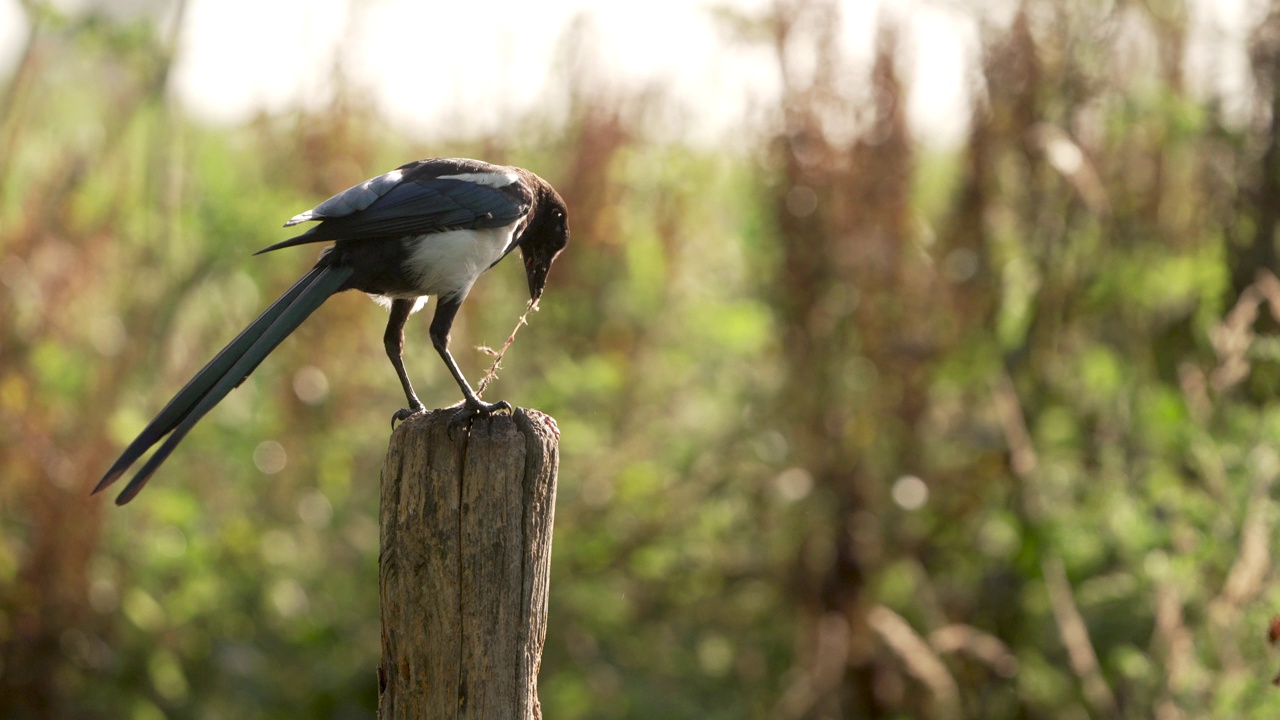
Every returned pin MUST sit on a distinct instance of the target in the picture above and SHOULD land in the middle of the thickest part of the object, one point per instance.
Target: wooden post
(465, 566)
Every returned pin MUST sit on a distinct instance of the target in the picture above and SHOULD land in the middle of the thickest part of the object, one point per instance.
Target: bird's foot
(405, 413)
(470, 411)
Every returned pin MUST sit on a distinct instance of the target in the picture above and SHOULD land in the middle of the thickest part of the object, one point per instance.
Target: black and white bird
(428, 228)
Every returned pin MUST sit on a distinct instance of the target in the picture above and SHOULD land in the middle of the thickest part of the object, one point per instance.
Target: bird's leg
(393, 340)
(446, 310)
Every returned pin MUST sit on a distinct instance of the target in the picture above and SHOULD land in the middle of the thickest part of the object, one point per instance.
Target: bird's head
(544, 238)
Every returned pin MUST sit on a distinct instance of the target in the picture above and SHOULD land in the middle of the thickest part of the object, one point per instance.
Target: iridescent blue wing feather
(417, 199)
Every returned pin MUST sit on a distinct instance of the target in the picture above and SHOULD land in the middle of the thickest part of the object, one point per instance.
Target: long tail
(223, 373)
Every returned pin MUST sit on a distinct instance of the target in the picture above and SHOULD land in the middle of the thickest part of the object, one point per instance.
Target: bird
(429, 228)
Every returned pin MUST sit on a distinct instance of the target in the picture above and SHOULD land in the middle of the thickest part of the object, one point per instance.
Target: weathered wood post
(465, 566)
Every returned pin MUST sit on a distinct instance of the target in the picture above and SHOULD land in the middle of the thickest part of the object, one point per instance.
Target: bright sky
(433, 66)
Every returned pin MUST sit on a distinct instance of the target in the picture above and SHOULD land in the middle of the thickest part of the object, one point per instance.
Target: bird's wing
(420, 198)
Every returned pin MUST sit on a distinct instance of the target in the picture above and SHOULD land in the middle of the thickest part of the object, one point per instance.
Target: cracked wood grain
(464, 566)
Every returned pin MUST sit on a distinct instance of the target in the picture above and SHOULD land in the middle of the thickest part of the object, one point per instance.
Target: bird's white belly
(448, 263)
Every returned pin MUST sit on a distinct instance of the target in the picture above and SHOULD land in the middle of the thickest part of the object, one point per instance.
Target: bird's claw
(469, 412)
(405, 413)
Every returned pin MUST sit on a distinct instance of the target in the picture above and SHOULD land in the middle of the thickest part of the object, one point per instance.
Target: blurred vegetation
(851, 427)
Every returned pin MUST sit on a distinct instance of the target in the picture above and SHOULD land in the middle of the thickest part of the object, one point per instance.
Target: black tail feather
(222, 374)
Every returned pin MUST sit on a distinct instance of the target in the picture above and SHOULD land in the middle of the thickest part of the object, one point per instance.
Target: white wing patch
(492, 179)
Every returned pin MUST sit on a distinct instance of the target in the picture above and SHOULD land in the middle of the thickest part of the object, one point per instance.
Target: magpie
(427, 228)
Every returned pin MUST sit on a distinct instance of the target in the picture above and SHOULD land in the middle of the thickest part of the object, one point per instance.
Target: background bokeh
(854, 424)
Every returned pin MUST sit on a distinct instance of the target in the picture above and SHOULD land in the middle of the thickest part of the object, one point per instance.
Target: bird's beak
(539, 248)
(536, 269)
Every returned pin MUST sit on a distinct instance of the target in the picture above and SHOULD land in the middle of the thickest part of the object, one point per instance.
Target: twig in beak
(498, 354)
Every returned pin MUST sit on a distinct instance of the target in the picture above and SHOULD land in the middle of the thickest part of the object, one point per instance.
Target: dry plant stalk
(1075, 637)
(497, 355)
(919, 659)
